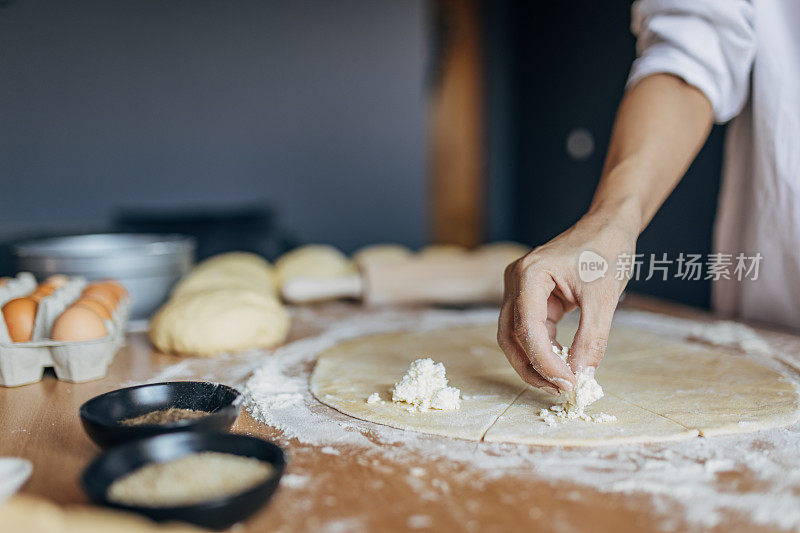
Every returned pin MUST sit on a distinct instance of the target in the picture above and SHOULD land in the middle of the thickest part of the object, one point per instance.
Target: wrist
(623, 213)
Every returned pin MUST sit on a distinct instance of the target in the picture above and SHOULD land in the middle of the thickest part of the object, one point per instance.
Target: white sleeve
(708, 43)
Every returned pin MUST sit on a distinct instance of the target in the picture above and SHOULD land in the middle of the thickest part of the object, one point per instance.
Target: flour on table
(572, 405)
(728, 333)
(424, 387)
(683, 490)
(374, 398)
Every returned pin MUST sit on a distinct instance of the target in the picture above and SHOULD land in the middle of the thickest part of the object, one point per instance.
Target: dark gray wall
(314, 107)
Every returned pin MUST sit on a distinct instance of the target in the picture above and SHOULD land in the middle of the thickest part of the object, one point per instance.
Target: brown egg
(106, 287)
(78, 323)
(41, 292)
(101, 294)
(20, 314)
(100, 299)
(115, 287)
(99, 309)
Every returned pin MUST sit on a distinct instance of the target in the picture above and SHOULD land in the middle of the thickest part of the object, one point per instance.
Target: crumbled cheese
(424, 386)
(585, 392)
(446, 398)
(572, 405)
(563, 353)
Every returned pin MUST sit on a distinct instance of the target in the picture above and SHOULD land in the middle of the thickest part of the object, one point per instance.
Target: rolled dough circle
(658, 388)
(313, 261)
(217, 321)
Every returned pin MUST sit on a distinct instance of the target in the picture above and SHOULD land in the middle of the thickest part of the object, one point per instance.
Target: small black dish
(217, 514)
(102, 414)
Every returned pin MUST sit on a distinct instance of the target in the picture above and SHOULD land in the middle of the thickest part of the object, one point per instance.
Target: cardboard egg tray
(22, 363)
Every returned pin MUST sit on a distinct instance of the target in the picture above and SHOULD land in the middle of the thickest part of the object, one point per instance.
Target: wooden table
(344, 492)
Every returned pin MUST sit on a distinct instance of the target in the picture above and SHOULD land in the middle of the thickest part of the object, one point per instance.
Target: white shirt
(745, 57)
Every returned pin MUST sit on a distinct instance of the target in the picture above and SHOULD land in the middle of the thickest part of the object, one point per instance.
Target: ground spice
(164, 416)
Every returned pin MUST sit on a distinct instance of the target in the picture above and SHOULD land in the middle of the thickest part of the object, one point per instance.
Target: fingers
(555, 311)
(508, 342)
(516, 355)
(531, 331)
(591, 339)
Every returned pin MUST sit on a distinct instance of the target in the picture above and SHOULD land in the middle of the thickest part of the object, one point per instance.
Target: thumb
(591, 339)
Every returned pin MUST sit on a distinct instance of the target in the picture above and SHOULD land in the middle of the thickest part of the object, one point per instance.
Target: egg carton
(22, 363)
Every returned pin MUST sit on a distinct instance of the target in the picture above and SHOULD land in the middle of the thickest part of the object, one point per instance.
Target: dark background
(570, 63)
(313, 109)
(305, 121)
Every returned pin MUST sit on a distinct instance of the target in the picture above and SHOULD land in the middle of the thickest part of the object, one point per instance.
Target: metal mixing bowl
(146, 264)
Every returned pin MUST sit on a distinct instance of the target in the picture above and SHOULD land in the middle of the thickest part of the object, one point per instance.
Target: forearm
(661, 124)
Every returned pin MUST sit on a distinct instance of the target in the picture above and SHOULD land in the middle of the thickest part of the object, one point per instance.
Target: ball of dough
(313, 261)
(505, 252)
(235, 262)
(442, 250)
(234, 270)
(380, 253)
(216, 321)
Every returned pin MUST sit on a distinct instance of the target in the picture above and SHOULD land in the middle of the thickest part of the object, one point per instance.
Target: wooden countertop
(344, 491)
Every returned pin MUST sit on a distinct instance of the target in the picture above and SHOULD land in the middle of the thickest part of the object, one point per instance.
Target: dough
(38, 515)
(522, 424)
(572, 405)
(504, 252)
(657, 388)
(380, 253)
(728, 333)
(314, 261)
(350, 372)
(442, 250)
(216, 321)
(240, 270)
(234, 261)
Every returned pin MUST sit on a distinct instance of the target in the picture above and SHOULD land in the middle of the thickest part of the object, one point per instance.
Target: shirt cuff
(669, 60)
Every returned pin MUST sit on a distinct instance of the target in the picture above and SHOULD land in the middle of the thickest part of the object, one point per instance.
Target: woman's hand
(661, 124)
(545, 284)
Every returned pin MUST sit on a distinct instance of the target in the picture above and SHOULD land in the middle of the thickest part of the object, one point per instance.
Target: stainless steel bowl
(146, 264)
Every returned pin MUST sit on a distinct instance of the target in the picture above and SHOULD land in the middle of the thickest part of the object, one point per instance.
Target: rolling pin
(458, 280)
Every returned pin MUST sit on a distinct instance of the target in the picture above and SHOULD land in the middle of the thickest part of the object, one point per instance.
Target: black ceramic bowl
(215, 514)
(102, 414)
